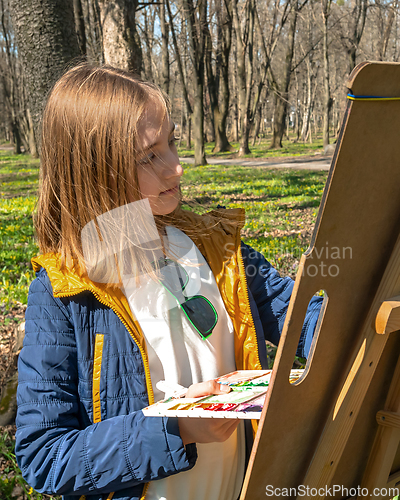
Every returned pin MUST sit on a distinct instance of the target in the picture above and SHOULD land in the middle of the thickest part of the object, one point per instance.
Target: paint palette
(245, 400)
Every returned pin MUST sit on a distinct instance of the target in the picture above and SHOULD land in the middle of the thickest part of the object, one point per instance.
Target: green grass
(281, 205)
(261, 149)
(18, 185)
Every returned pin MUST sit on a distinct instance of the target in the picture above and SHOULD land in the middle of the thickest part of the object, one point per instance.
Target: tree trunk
(148, 36)
(93, 32)
(308, 106)
(257, 125)
(189, 131)
(327, 100)
(16, 137)
(393, 9)
(47, 42)
(121, 44)
(279, 122)
(181, 65)
(282, 93)
(165, 78)
(182, 125)
(353, 29)
(236, 119)
(218, 86)
(198, 129)
(244, 72)
(188, 107)
(221, 140)
(80, 26)
(9, 81)
(225, 24)
(311, 76)
(31, 137)
(196, 18)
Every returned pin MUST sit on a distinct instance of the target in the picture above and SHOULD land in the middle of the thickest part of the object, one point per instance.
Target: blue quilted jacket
(61, 447)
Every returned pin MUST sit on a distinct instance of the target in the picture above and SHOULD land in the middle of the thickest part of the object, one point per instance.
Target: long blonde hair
(88, 155)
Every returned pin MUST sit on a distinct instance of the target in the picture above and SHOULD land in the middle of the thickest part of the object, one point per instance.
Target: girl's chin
(164, 206)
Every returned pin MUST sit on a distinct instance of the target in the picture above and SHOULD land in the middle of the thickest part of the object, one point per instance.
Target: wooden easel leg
(386, 441)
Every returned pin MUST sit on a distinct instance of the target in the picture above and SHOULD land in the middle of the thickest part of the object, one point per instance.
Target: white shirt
(178, 355)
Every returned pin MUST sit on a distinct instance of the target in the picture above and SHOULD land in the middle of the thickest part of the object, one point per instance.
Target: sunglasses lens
(173, 276)
(201, 313)
(198, 309)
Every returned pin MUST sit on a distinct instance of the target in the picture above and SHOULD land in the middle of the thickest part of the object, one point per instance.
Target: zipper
(242, 277)
(145, 488)
(144, 359)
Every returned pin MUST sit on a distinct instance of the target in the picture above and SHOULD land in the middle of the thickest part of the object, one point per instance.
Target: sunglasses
(198, 310)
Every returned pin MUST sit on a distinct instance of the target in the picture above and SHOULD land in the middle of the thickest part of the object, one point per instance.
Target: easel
(340, 425)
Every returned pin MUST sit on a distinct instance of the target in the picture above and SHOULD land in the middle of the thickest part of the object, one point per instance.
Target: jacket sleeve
(271, 294)
(56, 452)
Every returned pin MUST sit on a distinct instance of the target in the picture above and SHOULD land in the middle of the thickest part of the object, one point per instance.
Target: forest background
(245, 78)
(236, 70)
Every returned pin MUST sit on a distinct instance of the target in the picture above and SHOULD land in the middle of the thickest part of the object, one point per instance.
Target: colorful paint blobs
(244, 401)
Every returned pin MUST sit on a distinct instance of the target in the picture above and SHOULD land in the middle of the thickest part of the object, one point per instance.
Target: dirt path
(318, 162)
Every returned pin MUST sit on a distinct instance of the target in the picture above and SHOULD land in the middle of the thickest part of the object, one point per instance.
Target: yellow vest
(217, 236)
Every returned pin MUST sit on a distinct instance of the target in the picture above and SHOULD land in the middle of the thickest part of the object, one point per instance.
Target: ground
(9, 321)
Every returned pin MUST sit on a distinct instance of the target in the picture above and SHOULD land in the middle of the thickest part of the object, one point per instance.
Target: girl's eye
(147, 159)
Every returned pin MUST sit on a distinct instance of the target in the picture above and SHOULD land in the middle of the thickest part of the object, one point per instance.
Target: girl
(101, 329)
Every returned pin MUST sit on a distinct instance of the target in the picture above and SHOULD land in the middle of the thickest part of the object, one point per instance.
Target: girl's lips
(172, 190)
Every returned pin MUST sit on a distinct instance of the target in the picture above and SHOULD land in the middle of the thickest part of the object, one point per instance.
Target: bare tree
(9, 81)
(147, 35)
(386, 14)
(47, 43)
(196, 19)
(244, 46)
(165, 74)
(352, 30)
(327, 103)
(182, 75)
(93, 35)
(281, 90)
(279, 15)
(80, 26)
(311, 72)
(218, 78)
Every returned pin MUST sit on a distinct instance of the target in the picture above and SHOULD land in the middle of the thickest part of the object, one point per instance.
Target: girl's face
(158, 168)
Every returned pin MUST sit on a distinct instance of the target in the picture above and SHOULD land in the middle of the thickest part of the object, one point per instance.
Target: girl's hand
(206, 389)
(206, 430)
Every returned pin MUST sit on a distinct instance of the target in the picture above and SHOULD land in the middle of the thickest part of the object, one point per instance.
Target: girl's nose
(172, 167)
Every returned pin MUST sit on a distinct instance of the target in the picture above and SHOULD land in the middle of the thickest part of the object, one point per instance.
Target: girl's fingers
(206, 388)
